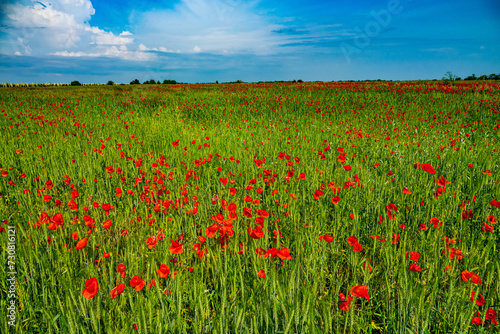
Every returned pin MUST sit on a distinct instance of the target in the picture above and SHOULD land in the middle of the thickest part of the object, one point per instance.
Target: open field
(251, 208)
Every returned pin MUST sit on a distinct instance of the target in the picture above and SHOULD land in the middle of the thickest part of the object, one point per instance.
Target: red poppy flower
(117, 290)
(442, 181)
(423, 227)
(467, 215)
(47, 198)
(91, 288)
(360, 291)
(326, 237)
(414, 267)
(495, 203)
(82, 243)
(121, 269)
(176, 247)
(335, 199)
(414, 256)
(487, 227)
(476, 321)
(107, 224)
(262, 274)
(491, 315)
(247, 212)
(106, 207)
(428, 168)
(284, 254)
(479, 300)
(357, 247)
(370, 269)
(164, 271)
(211, 230)
(352, 240)
(199, 252)
(137, 283)
(261, 253)
(435, 222)
(74, 194)
(256, 233)
(467, 275)
(58, 219)
(344, 306)
(318, 193)
(151, 242)
(492, 219)
(455, 253)
(72, 205)
(476, 280)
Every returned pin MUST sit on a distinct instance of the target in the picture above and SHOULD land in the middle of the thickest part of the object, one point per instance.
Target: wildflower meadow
(356, 207)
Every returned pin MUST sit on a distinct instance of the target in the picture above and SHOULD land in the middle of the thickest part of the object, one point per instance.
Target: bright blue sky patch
(228, 40)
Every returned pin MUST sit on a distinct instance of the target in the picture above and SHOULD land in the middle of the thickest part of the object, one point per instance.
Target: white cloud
(46, 28)
(110, 51)
(439, 50)
(143, 47)
(107, 38)
(42, 20)
(27, 49)
(226, 27)
(213, 26)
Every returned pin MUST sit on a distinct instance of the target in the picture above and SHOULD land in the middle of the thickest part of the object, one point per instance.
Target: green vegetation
(252, 208)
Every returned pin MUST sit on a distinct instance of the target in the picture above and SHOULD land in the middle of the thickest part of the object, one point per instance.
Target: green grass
(97, 139)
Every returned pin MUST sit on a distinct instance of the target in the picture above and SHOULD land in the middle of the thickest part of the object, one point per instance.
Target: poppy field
(360, 207)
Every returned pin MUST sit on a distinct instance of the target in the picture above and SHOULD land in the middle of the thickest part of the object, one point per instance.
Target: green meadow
(360, 207)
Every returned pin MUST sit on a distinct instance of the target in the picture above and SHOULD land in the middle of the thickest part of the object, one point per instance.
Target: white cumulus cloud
(61, 27)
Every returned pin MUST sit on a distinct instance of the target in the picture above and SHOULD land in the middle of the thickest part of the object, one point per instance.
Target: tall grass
(373, 138)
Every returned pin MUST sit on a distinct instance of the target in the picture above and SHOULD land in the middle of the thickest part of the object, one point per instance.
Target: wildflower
(91, 288)
(360, 291)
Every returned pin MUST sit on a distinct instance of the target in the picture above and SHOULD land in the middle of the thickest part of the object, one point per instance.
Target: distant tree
(149, 82)
(483, 77)
(216, 81)
(110, 83)
(135, 82)
(448, 76)
(471, 77)
(75, 83)
(300, 80)
(169, 82)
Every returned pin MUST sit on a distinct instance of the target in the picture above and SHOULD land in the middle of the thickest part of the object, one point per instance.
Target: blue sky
(227, 40)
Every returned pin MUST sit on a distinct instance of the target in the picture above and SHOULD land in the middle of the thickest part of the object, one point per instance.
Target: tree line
(153, 82)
